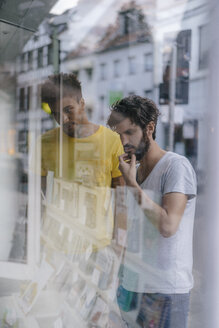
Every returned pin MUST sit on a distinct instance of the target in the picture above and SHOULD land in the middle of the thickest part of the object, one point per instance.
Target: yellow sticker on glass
(46, 108)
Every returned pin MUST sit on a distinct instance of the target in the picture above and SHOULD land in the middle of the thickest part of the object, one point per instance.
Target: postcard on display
(67, 196)
(89, 207)
(134, 223)
(73, 201)
(53, 233)
(98, 312)
(106, 220)
(56, 193)
(49, 186)
(63, 279)
(120, 222)
(46, 224)
(89, 302)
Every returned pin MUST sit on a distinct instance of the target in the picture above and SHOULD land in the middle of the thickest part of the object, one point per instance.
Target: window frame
(25, 271)
(103, 74)
(40, 63)
(116, 68)
(202, 53)
(131, 65)
(148, 67)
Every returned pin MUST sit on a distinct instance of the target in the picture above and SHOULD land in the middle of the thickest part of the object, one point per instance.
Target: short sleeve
(180, 177)
(117, 151)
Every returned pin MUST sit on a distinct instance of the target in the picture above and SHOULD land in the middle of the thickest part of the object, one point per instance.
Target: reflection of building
(120, 54)
(39, 59)
(124, 61)
(117, 60)
(185, 24)
(81, 59)
(18, 21)
(43, 55)
(112, 57)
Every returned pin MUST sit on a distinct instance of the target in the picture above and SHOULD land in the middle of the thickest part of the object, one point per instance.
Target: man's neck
(150, 159)
(86, 130)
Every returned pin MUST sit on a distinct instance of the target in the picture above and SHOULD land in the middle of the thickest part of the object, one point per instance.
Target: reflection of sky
(62, 5)
(86, 18)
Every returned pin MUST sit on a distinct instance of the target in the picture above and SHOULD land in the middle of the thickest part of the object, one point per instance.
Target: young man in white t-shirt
(159, 272)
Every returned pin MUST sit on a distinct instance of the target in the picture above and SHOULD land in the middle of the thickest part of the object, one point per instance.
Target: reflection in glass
(98, 247)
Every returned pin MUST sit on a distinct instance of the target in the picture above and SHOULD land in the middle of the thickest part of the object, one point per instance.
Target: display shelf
(48, 241)
(105, 294)
(72, 224)
(81, 289)
(93, 206)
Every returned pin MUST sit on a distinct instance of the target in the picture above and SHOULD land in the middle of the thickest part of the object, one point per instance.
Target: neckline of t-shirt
(157, 164)
(99, 130)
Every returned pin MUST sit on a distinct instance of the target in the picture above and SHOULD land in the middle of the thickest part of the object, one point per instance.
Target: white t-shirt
(152, 263)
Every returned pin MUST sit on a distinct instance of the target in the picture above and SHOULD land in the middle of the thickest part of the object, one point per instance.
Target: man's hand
(127, 167)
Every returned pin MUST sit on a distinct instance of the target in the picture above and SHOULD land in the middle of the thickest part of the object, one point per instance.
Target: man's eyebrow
(126, 131)
(129, 130)
(67, 107)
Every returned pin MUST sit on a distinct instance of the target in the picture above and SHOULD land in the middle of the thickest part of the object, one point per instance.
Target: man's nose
(124, 139)
(65, 118)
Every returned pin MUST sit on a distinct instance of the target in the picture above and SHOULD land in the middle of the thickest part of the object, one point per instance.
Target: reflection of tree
(131, 26)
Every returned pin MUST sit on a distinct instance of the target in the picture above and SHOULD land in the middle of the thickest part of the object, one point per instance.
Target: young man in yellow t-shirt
(78, 150)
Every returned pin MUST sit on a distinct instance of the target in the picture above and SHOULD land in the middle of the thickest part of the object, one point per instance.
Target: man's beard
(140, 150)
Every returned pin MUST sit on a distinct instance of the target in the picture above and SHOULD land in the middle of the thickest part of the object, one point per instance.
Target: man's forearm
(165, 218)
(155, 213)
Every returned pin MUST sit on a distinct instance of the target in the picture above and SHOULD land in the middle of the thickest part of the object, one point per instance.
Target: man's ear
(82, 102)
(150, 128)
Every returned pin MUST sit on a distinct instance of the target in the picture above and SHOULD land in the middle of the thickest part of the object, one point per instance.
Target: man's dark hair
(51, 88)
(141, 111)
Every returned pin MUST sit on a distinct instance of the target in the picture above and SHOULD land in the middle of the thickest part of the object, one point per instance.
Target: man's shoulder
(110, 134)
(179, 169)
(111, 142)
(174, 159)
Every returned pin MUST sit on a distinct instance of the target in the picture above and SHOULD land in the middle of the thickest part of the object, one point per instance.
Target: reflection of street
(18, 251)
(14, 230)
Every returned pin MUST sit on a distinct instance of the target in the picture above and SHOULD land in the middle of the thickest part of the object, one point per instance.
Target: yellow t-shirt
(93, 160)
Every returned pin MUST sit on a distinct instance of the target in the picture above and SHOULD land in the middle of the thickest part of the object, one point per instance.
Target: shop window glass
(81, 248)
